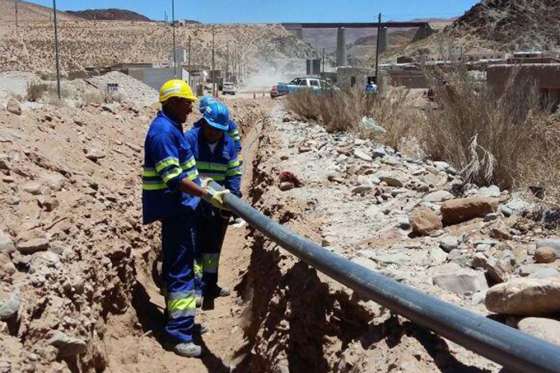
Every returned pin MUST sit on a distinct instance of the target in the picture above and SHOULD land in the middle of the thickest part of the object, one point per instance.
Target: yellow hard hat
(176, 88)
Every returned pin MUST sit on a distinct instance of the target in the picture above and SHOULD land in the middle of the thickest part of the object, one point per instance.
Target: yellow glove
(217, 198)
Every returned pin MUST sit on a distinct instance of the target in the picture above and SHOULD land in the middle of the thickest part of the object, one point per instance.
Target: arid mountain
(28, 12)
(109, 15)
(512, 24)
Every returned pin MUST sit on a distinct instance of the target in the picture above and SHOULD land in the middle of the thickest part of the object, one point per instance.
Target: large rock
(13, 106)
(460, 210)
(360, 154)
(462, 283)
(424, 221)
(392, 179)
(439, 196)
(6, 243)
(545, 255)
(525, 297)
(546, 329)
(553, 243)
(33, 245)
(67, 346)
(9, 307)
(498, 270)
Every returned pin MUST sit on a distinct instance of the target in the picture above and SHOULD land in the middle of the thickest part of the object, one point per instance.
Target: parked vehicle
(314, 84)
(228, 88)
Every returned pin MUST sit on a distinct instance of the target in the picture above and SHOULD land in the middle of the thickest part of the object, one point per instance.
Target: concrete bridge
(424, 30)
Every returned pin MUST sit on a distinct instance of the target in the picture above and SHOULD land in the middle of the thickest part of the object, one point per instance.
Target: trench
(283, 315)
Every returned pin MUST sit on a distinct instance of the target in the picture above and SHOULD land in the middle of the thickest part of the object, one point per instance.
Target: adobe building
(546, 76)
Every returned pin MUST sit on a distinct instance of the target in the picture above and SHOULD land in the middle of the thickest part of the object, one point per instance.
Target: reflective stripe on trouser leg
(178, 273)
(198, 276)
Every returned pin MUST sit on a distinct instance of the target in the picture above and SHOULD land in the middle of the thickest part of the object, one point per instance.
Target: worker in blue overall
(171, 194)
(216, 159)
(233, 129)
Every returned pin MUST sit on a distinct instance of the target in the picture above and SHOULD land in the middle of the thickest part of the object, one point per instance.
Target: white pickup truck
(314, 84)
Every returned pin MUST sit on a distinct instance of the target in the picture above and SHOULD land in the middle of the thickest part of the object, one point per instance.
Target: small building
(546, 77)
(156, 76)
(349, 77)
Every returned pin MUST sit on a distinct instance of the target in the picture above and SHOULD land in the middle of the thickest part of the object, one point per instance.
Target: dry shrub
(36, 90)
(343, 111)
(491, 138)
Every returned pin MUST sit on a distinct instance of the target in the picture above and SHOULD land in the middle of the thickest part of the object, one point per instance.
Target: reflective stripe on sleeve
(169, 161)
(172, 173)
(188, 164)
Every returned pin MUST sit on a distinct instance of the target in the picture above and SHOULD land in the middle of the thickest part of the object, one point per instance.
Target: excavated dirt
(76, 293)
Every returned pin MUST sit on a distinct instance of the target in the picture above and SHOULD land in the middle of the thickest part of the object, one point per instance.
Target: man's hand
(217, 198)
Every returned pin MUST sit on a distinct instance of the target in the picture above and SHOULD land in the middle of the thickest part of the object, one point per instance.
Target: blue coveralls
(223, 167)
(168, 160)
(233, 132)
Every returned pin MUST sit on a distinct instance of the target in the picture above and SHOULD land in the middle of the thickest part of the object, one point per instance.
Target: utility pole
(213, 74)
(56, 51)
(377, 50)
(227, 62)
(16, 6)
(189, 59)
(174, 46)
(323, 58)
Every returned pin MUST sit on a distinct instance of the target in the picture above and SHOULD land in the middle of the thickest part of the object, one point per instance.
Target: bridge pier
(341, 47)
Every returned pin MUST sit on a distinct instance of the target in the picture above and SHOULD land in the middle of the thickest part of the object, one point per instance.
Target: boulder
(449, 243)
(33, 187)
(545, 254)
(362, 189)
(456, 211)
(286, 185)
(439, 196)
(553, 243)
(360, 154)
(392, 179)
(33, 245)
(547, 272)
(546, 329)
(497, 270)
(67, 346)
(463, 283)
(94, 154)
(491, 191)
(525, 297)
(9, 307)
(500, 232)
(13, 106)
(424, 221)
(6, 243)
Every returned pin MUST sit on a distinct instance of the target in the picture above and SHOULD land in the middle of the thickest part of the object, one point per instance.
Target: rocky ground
(76, 292)
(414, 221)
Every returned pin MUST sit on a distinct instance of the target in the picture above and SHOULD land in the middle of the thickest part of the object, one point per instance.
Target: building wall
(546, 76)
(155, 77)
(346, 75)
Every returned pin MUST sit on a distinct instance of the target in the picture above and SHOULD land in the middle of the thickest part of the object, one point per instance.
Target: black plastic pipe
(506, 346)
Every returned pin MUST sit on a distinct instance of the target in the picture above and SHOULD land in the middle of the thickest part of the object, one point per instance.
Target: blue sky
(261, 11)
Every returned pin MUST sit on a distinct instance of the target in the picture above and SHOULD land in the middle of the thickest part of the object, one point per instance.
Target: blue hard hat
(216, 115)
(203, 103)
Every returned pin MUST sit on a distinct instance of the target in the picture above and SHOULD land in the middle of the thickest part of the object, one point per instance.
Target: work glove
(216, 198)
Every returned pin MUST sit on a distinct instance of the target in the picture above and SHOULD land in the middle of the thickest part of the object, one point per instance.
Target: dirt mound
(109, 15)
(512, 24)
